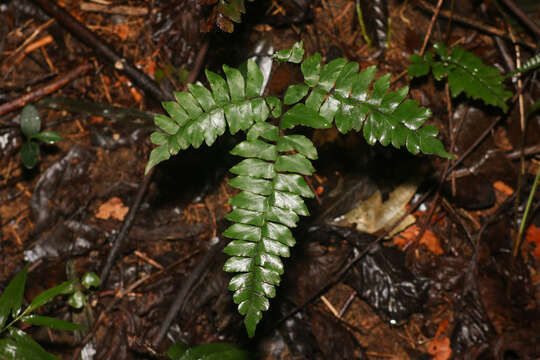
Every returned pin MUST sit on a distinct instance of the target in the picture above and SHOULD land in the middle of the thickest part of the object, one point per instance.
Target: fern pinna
(271, 175)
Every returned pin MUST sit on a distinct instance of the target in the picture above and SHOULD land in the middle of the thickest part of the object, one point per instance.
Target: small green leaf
(295, 93)
(254, 185)
(11, 300)
(243, 232)
(77, 300)
(237, 264)
(255, 168)
(419, 65)
(48, 295)
(236, 83)
(275, 106)
(220, 90)
(293, 183)
(90, 279)
(189, 103)
(295, 163)
(246, 217)
(203, 96)
(51, 322)
(361, 83)
(30, 121)
(330, 73)
(255, 148)
(264, 130)
(49, 137)
(298, 143)
(176, 112)
(249, 201)
(293, 55)
(26, 347)
(311, 68)
(29, 154)
(300, 114)
(255, 79)
(158, 154)
(158, 138)
(289, 201)
(166, 124)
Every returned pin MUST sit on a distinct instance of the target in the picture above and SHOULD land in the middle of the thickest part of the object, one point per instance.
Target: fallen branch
(80, 31)
(123, 10)
(42, 91)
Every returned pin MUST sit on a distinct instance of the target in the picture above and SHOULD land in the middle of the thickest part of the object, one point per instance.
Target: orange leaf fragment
(439, 347)
(114, 208)
(429, 239)
(502, 187)
(533, 236)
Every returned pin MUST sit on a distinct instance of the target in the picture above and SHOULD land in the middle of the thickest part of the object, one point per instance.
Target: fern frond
(201, 115)
(338, 92)
(465, 72)
(269, 204)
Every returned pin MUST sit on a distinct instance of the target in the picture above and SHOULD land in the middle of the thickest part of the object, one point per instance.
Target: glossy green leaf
(175, 112)
(419, 65)
(298, 143)
(300, 114)
(290, 201)
(294, 184)
(236, 83)
(249, 201)
(30, 121)
(203, 96)
(252, 184)
(166, 124)
(49, 137)
(29, 154)
(255, 148)
(275, 106)
(295, 163)
(158, 154)
(246, 217)
(285, 217)
(219, 87)
(311, 69)
(46, 296)
(255, 79)
(295, 93)
(263, 130)
(90, 279)
(255, 168)
(243, 232)
(293, 55)
(189, 103)
(278, 232)
(21, 346)
(330, 73)
(51, 322)
(11, 299)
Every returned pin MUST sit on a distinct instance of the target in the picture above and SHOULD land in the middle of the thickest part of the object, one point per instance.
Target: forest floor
(455, 283)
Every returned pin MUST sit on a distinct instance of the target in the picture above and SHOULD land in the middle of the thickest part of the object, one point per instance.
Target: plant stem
(526, 213)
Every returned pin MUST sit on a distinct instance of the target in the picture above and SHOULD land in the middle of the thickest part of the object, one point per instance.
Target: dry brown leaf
(533, 236)
(502, 187)
(439, 347)
(429, 239)
(114, 208)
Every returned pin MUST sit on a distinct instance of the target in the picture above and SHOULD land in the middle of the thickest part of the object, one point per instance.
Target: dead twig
(531, 25)
(121, 9)
(42, 91)
(430, 27)
(80, 31)
(474, 24)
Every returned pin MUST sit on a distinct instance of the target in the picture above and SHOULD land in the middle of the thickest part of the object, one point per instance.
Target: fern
(271, 175)
(466, 73)
(229, 11)
(529, 65)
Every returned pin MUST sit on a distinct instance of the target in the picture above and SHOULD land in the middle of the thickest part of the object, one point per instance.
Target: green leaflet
(201, 115)
(466, 74)
(271, 174)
